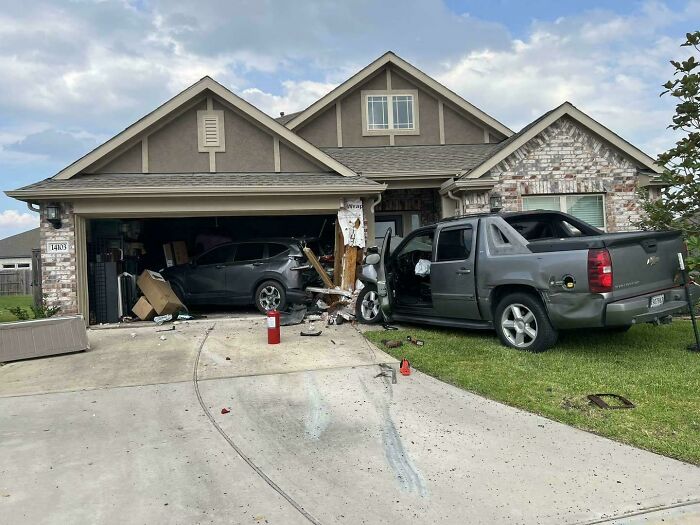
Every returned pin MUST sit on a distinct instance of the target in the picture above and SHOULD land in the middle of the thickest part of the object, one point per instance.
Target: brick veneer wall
(58, 270)
(565, 158)
(426, 201)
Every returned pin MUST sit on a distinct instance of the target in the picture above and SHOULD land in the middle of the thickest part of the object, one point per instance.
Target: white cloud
(12, 221)
(296, 96)
(611, 67)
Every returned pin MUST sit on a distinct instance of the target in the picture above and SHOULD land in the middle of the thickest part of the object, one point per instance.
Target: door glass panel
(220, 255)
(250, 251)
(421, 244)
(455, 244)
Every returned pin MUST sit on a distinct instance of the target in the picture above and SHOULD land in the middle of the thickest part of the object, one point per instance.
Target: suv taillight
(600, 271)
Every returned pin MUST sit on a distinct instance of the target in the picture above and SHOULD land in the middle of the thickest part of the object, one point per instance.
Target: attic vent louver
(211, 130)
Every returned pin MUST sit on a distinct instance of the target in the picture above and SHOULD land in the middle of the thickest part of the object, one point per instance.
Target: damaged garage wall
(58, 261)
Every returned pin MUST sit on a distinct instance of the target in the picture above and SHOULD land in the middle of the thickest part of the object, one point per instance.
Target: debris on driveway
(415, 341)
(392, 343)
(225, 410)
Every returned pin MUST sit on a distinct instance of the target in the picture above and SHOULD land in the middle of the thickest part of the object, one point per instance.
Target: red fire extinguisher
(273, 327)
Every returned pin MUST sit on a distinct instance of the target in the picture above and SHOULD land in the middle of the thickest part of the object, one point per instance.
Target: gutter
(215, 191)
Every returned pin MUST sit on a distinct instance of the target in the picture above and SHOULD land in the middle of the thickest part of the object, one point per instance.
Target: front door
(452, 273)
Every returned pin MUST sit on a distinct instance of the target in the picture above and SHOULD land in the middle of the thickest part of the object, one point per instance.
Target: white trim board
(175, 103)
(568, 109)
(402, 65)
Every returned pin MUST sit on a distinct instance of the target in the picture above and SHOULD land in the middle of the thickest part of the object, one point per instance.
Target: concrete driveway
(314, 435)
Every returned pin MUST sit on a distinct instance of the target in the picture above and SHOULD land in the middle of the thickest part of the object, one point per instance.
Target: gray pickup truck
(527, 275)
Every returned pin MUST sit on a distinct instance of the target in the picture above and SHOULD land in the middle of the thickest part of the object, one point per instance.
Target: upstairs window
(377, 112)
(390, 113)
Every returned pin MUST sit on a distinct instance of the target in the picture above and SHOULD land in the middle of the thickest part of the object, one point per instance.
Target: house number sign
(57, 247)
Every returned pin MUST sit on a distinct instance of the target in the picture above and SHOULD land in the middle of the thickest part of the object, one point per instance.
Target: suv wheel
(367, 309)
(522, 323)
(270, 295)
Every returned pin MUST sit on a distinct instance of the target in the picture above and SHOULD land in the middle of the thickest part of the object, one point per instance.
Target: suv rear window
(274, 249)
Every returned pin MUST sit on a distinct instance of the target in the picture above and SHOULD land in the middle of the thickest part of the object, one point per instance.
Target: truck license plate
(656, 300)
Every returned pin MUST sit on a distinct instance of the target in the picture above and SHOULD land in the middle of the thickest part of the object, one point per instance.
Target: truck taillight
(600, 271)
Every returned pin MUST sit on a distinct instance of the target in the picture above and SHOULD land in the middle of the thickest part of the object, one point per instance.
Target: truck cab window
(455, 244)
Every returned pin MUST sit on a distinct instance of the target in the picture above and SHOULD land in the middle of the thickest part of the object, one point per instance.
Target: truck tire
(270, 295)
(367, 309)
(522, 323)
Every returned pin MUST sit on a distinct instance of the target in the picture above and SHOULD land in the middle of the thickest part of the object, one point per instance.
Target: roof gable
(513, 143)
(185, 100)
(408, 70)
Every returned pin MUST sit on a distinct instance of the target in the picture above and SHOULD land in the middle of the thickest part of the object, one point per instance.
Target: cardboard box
(158, 293)
(143, 309)
(180, 252)
(168, 253)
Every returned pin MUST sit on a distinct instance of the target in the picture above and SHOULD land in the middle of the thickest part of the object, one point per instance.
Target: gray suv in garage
(270, 273)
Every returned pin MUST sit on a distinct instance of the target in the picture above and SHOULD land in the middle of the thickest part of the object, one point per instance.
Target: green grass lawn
(10, 301)
(648, 365)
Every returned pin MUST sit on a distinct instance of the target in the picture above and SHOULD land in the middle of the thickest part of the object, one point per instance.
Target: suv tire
(367, 309)
(270, 295)
(521, 322)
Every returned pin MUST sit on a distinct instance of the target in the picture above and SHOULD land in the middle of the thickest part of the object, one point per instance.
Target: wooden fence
(16, 282)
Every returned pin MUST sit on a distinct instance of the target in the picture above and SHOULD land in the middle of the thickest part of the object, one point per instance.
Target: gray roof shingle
(170, 180)
(392, 159)
(20, 245)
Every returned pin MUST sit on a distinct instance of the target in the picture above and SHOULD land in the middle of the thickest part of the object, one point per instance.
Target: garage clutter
(158, 297)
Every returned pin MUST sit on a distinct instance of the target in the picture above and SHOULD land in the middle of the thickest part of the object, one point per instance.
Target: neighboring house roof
(283, 119)
(513, 143)
(401, 64)
(20, 245)
(450, 158)
(110, 184)
(182, 99)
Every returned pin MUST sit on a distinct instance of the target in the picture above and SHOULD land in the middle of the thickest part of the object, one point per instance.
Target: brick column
(58, 269)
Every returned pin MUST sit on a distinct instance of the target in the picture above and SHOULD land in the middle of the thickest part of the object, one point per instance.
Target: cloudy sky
(74, 73)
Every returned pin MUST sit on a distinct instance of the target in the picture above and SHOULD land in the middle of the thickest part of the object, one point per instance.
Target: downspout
(460, 204)
(30, 206)
(374, 204)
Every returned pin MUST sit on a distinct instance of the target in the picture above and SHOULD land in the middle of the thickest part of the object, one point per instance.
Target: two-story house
(207, 166)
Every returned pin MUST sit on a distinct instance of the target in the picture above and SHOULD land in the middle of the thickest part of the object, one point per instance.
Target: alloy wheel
(370, 306)
(519, 325)
(270, 298)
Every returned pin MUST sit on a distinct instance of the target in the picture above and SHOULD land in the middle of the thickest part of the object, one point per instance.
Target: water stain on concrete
(318, 417)
(407, 474)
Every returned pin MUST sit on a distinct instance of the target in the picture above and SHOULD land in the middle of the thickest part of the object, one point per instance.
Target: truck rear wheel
(522, 323)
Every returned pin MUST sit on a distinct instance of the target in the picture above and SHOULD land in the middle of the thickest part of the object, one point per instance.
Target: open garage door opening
(212, 263)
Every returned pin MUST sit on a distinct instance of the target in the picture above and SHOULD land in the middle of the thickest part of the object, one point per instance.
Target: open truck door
(384, 282)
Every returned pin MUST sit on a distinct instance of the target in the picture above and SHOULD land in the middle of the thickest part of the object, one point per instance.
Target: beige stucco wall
(174, 149)
(351, 113)
(248, 147)
(127, 162)
(321, 131)
(291, 161)
(459, 130)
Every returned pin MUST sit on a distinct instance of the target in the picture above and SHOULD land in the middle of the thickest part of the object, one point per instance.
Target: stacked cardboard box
(158, 295)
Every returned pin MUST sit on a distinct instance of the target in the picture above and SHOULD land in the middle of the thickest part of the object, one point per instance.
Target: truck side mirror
(372, 258)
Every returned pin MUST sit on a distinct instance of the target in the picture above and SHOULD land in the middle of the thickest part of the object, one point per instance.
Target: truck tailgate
(643, 262)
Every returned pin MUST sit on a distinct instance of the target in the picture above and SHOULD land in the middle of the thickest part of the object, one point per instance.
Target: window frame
(390, 94)
(562, 203)
(463, 228)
